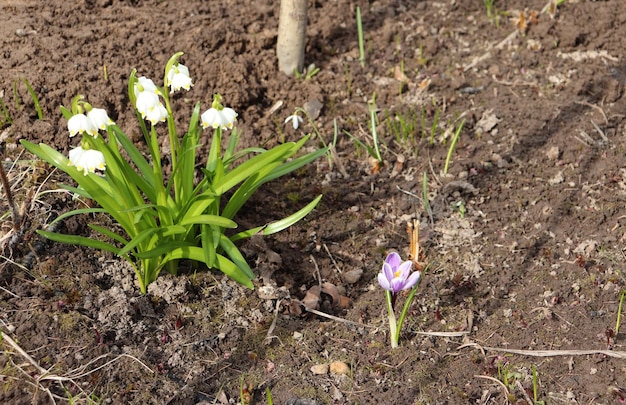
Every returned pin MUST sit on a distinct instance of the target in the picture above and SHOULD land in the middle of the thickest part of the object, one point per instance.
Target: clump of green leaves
(161, 220)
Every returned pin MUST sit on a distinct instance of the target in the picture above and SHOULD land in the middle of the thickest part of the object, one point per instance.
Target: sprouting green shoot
(619, 311)
(433, 127)
(421, 59)
(348, 79)
(536, 387)
(452, 146)
(373, 151)
(16, 97)
(423, 122)
(311, 71)
(374, 133)
(404, 128)
(268, 396)
(425, 194)
(359, 26)
(279, 130)
(6, 115)
(492, 12)
(308, 72)
(33, 95)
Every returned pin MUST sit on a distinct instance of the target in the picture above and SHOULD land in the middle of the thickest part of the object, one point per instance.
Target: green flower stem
(393, 332)
(395, 327)
(405, 310)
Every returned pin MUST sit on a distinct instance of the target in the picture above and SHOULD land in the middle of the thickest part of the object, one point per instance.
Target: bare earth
(525, 237)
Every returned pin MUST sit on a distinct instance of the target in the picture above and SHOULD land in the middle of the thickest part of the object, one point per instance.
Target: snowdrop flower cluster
(148, 102)
(84, 157)
(218, 116)
(168, 211)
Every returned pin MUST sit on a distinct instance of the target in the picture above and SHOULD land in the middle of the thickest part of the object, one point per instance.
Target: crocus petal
(397, 285)
(394, 260)
(388, 272)
(404, 270)
(412, 280)
(384, 283)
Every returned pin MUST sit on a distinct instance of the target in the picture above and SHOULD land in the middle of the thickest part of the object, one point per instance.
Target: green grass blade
(33, 95)
(359, 27)
(452, 146)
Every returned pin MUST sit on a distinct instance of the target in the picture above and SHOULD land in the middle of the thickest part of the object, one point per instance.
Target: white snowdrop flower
(145, 84)
(80, 123)
(146, 101)
(87, 160)
(295, 119)
(100, 118)
(178, 78)
(218, 116)
(156, 114)
(215, 118)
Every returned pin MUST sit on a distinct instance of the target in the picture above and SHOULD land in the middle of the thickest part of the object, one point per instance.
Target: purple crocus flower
(396, 275)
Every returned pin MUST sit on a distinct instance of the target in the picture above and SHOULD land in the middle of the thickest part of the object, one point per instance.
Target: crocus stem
(405, 310)
(393, 333)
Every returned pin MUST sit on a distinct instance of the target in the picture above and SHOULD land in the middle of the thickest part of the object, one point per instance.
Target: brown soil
(533, 263)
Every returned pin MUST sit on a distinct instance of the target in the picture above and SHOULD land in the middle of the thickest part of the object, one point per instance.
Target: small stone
(339, 367)
(557, 179)
(319, 369)
(352, 276)
(313, 108)
(267, 292)
(553, 153)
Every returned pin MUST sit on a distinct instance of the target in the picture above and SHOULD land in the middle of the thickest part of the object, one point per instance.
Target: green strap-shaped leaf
(163, 249)
(108, 233)
(79, 240)
(208, 245)
(235, 255)
(206, 219)
(76, 212)
(278, 226)
(250, 167)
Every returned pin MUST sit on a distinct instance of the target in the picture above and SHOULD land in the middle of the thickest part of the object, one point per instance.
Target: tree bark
(291, 36)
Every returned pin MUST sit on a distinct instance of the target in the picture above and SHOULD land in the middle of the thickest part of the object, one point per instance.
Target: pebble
(339, 367)
(319, 369)
(352, 276)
